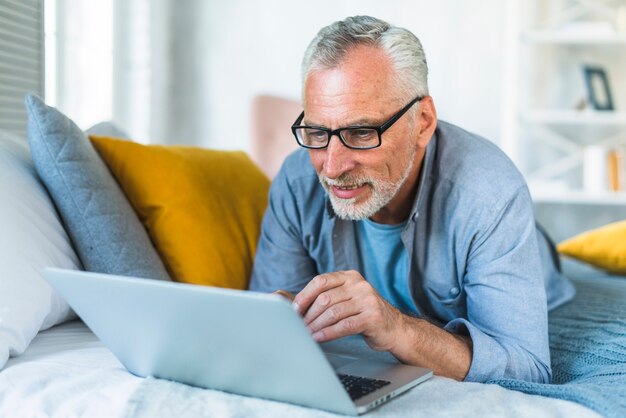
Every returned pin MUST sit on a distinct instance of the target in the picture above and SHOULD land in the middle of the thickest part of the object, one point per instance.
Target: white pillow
(107, 128)
(31, 238)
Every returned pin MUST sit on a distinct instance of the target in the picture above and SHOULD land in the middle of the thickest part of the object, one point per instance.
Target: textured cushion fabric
(603, 247)
(32, 238)
(202, 208)
(105, 230)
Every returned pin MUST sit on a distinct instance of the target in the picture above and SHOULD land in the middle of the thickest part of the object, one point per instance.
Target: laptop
(242, 342)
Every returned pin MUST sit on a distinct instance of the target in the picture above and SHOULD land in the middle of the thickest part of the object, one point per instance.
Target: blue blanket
(588, 349)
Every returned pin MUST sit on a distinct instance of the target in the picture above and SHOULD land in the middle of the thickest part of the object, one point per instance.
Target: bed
(66, 372)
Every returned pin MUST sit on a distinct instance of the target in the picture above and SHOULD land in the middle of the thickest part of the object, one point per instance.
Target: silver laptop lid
(223, 339)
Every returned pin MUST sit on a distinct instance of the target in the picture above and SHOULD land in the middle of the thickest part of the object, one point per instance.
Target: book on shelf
(615, 165)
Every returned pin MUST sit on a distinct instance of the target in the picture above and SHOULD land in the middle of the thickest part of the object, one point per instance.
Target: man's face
(378, 183)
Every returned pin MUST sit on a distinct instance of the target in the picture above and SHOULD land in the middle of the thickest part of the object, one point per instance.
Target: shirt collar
(424, 181)
(329, 207)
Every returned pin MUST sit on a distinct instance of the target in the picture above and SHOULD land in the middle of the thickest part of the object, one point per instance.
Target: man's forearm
(423, 344)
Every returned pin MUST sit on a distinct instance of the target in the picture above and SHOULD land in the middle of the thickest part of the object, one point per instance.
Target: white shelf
(569, 37)
(550, 40)
(575, 117)
(579, 197)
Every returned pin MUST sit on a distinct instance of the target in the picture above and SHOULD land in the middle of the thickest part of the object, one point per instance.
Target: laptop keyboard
(358, 387)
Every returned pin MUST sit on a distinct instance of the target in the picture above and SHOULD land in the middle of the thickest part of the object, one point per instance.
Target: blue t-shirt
(386, 262)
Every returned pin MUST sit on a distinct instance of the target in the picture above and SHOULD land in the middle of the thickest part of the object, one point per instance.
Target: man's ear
(426, 120)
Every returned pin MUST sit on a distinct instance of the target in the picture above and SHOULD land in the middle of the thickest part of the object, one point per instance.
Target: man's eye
(316, 135)
(361, 135)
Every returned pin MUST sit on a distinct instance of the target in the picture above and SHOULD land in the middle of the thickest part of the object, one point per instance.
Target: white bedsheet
(67, 372)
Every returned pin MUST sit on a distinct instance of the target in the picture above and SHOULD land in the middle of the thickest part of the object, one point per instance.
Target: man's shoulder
(298, 175)
(297, 168)
(473, 164)
(298, 164)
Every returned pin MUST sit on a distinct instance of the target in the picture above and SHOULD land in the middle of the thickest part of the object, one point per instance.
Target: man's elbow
(510, 362)
(529, 368)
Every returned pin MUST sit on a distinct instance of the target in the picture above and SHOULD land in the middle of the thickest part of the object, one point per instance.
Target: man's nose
(338, 158)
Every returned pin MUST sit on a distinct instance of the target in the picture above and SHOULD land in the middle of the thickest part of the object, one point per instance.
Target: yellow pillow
(604, 247)
(202, 208)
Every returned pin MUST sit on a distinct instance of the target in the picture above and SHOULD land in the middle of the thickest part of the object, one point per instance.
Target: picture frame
(598, 90)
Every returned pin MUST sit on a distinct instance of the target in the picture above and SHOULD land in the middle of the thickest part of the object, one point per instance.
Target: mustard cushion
(604, 247)
(202, 208)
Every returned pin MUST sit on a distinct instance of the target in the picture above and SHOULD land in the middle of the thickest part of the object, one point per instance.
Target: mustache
(345, 180)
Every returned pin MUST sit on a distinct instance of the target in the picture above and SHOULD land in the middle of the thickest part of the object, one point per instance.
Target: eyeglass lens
(352, 137)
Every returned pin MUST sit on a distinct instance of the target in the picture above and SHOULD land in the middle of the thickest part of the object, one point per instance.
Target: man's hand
(339, 304)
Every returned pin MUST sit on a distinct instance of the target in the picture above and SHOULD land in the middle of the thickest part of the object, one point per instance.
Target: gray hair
(332, 42)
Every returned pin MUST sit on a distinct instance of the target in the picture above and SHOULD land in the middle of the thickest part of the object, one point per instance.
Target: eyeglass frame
(380, 129)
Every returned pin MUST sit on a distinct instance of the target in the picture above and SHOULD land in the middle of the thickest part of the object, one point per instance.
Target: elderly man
(408, 230)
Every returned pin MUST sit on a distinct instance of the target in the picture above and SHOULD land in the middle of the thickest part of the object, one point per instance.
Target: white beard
(382, 191)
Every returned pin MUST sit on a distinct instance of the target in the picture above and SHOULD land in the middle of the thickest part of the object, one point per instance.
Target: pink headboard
(271, 136)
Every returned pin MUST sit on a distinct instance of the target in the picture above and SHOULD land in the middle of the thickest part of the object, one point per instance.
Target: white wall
(98, 62)
(185, 72)
(247, 48)
(84, 70)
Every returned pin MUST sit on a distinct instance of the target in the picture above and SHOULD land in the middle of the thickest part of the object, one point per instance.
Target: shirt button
(454, 291)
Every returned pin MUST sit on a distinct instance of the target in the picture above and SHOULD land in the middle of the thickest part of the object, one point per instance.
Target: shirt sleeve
(281, 261)
(507, 316)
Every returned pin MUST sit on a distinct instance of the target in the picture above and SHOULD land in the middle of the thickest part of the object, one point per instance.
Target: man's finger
(334, 314)
(348, 326)
(312, 290)
(325, 301)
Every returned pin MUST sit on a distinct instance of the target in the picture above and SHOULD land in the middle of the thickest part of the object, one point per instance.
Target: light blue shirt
(478, 266)
(386, 262)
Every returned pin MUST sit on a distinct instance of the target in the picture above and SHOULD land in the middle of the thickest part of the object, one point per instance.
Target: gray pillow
(106, 232)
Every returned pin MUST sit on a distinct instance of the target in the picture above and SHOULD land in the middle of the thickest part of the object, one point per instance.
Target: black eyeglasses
(353, 137)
